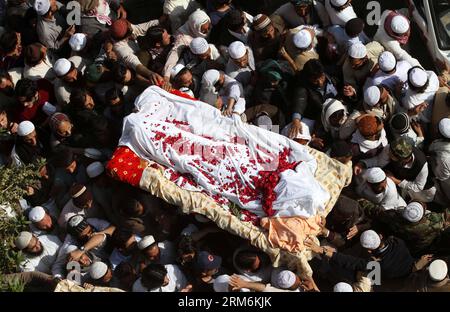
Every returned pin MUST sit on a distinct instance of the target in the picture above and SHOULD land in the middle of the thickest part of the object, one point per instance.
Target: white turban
(302, 39)
(370, 240)
(357, 51)
(387, 61)
(285, 279)
(25, 128)
(331, 106)
(95, 169)
(444, 127)
(196, 21)
(237, 50)
(413, 212)
(97, 270)
(78, 41)
(210, 77)
(199, 46)
(375, 175)
(36, 214)
(176, 69)
(400, 24)
(372, 95)
(221, 283)
(342, 287)
(146, 241)
(62, 67)
(22, 241)
(42, 6)
(438, 270)
(418, 77)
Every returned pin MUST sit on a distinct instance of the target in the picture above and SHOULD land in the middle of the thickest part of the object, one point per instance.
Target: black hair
(26, 88)
(186, 245)
(130, 207)
(121, 236)
(153, 276)
(113, 94)
(78, 97)
(154, 36)
(119, 72)
(313, 69)
(245, 259)
(8, 41)
(234, 20)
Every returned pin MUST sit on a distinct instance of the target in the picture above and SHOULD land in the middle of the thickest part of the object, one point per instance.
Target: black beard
(37, 253)
(8, 91)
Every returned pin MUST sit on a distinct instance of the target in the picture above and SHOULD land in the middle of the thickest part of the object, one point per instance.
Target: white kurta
(44, 262)
(177, 281)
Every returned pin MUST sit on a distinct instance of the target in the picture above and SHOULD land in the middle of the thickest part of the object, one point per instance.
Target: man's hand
(228, 112)
(393, 178)
(349, 91)
(352, 232)
(237, 283)
(75, 255)
(121, 12)
(417, 128)
(317, 143)
(296, 128)
(423, 262)
(188, 288)
(418, 109)
(167, 86)
(313, 246)
(154, 78)
(69, 31)
(358, 169)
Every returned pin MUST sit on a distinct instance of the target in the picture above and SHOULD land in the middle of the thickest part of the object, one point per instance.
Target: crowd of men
(307, 66)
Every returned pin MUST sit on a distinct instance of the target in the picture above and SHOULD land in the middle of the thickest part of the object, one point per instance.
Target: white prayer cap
(375, 175)
(338, 3)
(210, 77)
(444, 127)
(357, 51)
(302, 39)
(176, 69)
(413, 212)
(221, 283)
(400, 24)
(146, 241)
(418, 77)
(22, 241)
(372, 95)
(78, 41)
(25, 128)
(370, 240)
(285, 279)
(237, 50)
(36, 214)
(438, 270)
(342, 287)
(387, 61)
(42, 6)
(199, 46)
(95, 169)
(92, 153)
(62, 67)
(97, 270)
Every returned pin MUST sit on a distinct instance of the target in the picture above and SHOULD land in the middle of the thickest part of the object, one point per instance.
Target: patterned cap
(402, 148)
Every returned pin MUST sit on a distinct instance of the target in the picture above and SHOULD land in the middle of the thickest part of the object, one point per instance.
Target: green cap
(402, 148)
(93, 72)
